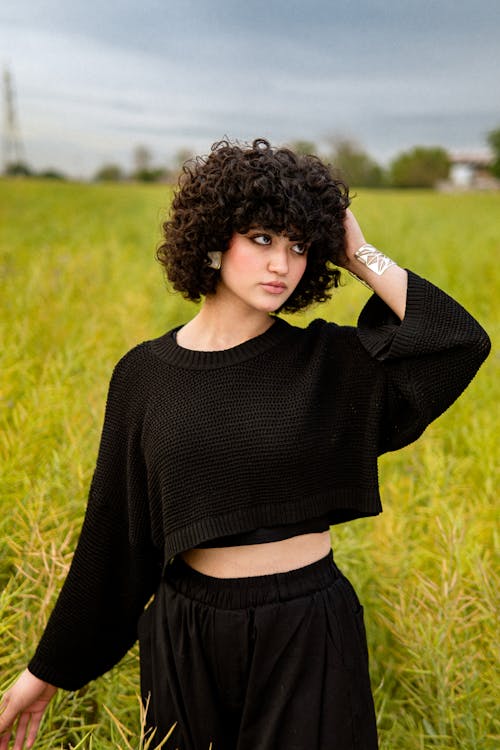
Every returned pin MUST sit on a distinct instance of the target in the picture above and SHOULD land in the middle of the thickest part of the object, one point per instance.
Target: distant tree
(18, 169)
(109, 173)
(354, 164)
(51, 174)
(144, 171)
(150, 175)
(421, 167)
(303, 147)
(143, 159)
(181, 156)
(493, 139)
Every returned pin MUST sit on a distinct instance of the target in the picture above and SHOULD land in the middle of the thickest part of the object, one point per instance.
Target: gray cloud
(102, 78)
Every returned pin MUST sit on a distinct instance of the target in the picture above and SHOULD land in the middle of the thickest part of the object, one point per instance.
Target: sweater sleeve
(428, 358)
(114, 570)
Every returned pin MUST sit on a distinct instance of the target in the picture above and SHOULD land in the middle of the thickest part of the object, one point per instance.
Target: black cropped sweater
(284, 427)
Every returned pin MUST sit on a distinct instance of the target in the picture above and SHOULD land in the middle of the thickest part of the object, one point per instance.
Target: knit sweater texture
(284, 427)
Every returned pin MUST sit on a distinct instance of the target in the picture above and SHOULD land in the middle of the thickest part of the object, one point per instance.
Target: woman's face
(261, 268)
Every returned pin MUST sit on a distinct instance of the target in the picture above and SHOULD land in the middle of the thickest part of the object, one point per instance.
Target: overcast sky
(94, 80)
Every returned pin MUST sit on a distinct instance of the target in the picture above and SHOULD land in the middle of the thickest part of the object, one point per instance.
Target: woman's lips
(274, 287)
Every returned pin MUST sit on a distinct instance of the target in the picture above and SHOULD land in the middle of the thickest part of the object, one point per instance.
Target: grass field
(80, 286)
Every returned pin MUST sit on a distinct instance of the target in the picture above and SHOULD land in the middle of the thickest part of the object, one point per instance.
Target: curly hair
(238, 187)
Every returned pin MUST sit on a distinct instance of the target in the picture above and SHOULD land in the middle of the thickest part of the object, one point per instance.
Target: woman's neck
(216, 328)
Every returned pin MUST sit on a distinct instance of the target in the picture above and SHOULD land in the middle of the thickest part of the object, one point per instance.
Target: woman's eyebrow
(283, 233)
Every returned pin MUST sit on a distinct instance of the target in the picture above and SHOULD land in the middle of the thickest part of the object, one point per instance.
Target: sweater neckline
(167, 348)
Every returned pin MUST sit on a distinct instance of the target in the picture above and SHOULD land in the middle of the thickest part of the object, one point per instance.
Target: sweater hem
(340, 509)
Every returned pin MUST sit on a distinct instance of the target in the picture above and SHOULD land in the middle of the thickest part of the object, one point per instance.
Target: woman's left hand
(21, 710)
(354, 238)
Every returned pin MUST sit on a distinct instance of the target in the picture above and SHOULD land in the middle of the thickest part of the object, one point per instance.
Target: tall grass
(80, 286)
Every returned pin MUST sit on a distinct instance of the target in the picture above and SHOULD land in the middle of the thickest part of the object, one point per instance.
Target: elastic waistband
(238, 593)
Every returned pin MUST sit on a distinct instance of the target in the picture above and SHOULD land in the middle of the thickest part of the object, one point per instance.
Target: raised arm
(391, 285)
(428, 345)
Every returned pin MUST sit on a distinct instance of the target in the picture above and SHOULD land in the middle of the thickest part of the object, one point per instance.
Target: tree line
(421, 167)
(418, 167)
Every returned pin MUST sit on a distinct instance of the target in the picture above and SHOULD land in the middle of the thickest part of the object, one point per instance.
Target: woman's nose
(278, 261)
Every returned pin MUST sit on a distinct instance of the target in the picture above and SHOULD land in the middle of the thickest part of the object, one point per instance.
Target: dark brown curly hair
(238, 187)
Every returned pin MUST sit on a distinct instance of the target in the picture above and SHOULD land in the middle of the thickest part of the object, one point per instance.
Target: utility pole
(13, 150)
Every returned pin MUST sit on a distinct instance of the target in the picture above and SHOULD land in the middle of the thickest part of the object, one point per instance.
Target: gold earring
(214, 259)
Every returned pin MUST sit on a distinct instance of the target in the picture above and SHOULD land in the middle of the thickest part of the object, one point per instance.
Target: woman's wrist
(374, 260)
(367, 262)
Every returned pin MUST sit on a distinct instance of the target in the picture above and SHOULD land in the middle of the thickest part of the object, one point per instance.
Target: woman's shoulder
(328, 330)
(133, 357)
(136, 365)
(325, 339)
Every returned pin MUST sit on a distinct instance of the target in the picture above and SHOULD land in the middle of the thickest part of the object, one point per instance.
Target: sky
(94, 80)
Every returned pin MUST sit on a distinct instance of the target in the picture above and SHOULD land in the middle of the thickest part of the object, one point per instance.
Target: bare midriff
(259, 559)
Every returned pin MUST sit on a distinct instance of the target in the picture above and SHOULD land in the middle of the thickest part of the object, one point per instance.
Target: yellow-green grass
(80, 286)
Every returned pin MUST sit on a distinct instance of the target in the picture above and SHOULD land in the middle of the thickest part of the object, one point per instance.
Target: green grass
(80, 286)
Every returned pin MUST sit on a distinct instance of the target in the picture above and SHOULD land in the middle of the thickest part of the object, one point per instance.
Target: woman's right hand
(25, 702)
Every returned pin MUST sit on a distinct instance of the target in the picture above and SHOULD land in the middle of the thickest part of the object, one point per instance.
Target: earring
(214, 259)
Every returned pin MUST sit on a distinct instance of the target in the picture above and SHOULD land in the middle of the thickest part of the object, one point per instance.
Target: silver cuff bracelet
(373, 259)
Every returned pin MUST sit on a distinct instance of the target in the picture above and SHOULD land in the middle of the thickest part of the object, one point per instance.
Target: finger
(33, 730)
(3, 707)
(7, 716)
(4, 740)
(21, 731)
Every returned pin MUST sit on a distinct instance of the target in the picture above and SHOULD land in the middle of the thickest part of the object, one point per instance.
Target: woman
(229, 447)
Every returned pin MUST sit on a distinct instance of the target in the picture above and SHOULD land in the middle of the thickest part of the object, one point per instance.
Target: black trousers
(273, 662)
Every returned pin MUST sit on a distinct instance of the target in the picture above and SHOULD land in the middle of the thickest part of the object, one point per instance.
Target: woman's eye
(262, 239)
(299, 248)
